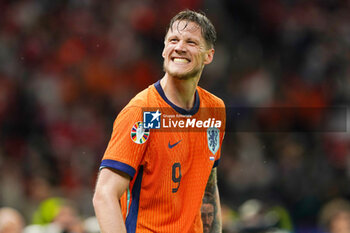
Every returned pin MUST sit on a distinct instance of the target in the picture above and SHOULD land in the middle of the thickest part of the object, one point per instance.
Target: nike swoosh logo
(172, 145)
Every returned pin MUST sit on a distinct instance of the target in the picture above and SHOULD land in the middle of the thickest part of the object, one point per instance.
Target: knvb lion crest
(213, 136)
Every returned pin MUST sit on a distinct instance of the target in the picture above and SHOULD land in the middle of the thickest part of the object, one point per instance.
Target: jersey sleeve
(128, 142)
(222, 115)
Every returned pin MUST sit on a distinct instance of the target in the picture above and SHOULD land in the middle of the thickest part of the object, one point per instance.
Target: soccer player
(154, 180)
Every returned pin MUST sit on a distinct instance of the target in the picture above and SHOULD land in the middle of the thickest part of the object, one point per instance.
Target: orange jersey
(169, 168)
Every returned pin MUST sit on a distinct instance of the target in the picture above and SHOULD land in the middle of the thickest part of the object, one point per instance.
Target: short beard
(183, 76)
(206, 225)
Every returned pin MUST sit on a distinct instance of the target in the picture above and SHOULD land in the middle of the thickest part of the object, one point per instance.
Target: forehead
(207, 207)
(184, 27)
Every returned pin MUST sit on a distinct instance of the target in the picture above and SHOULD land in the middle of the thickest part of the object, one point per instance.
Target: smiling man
(154, 181)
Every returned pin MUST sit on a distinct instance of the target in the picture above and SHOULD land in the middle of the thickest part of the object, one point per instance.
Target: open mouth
(180, 60)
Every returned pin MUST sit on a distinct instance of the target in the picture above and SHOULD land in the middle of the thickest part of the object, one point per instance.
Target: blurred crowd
(68, 67)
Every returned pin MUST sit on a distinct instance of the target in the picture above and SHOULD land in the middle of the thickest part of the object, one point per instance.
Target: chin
(182, 75)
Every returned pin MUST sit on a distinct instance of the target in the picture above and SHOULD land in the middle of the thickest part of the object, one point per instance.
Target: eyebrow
(195, 39)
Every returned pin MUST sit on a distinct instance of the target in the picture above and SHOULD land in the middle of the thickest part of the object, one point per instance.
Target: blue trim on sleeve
(182, 111)
(118, 166)
(131, 219)
(216, 163)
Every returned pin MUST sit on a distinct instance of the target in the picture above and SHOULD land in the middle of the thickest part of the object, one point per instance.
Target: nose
(205, 219)
(180, 47)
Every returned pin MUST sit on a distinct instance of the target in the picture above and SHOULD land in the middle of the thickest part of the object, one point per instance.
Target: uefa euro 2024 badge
(138, 133)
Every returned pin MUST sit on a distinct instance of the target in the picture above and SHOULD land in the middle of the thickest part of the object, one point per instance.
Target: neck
(180, 92)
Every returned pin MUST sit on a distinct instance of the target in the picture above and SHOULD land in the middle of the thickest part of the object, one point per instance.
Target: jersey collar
(182, 111)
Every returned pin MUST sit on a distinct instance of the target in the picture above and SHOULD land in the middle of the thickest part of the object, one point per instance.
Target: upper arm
(128, 142)
(112, 182)
(212, 182)
(212, 196)
(110, 187)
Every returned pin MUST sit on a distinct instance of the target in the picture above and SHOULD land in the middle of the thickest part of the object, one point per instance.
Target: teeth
(180, 60)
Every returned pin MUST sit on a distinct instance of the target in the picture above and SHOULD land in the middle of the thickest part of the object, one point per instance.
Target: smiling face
(185, 51)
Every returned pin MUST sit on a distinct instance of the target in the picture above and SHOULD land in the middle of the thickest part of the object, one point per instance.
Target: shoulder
(209, 99)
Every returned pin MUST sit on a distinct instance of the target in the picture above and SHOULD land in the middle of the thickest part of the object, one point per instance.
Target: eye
(173, 40)
(191, 42)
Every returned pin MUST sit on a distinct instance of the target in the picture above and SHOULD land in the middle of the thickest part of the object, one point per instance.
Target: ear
(163, 53)
(209, 55)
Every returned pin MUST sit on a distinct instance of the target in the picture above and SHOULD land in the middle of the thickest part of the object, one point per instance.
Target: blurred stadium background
(68, 67)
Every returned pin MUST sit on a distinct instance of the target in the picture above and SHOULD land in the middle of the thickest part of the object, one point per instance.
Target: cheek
(166, 50)
(200, 59)
(199, 56)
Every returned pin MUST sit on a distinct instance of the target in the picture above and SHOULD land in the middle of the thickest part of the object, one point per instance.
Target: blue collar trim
(182, 111)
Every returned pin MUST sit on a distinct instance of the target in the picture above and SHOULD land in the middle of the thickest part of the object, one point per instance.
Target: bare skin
(212, 188)
(185, 55)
